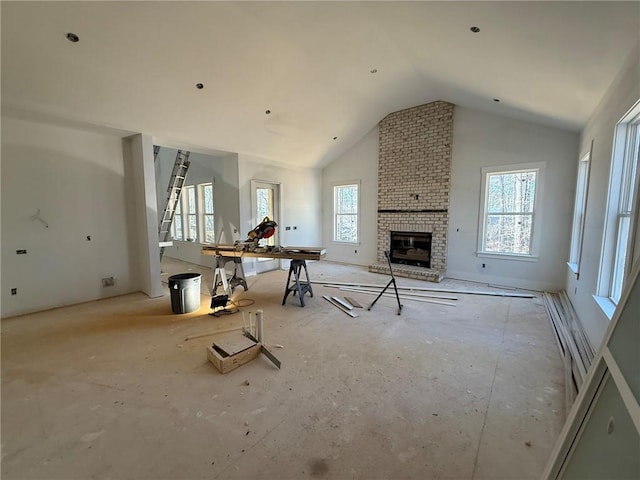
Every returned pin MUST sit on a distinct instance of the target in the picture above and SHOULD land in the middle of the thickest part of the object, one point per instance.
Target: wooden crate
(230, 351)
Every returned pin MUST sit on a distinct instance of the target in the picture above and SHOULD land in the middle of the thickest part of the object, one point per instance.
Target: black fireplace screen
(411, 248)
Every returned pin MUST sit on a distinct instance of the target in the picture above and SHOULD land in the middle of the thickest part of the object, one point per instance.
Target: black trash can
(185, 292)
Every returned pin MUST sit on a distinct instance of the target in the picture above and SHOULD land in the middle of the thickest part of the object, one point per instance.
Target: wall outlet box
(108, 282)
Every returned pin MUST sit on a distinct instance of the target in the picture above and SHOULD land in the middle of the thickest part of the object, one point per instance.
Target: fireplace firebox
(411, 248)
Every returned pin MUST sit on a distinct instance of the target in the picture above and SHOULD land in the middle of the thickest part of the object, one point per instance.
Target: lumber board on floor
(440, 296)
(351, 313)
(402, 297)
(431, 289)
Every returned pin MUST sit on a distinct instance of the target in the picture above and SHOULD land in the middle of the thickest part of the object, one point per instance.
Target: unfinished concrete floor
(111, 389)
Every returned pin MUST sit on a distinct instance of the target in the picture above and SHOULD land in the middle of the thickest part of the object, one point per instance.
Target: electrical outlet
(483, 265)
(295, 228)
(21, 252)
(287, 228)
(14, 291)
(108, 282)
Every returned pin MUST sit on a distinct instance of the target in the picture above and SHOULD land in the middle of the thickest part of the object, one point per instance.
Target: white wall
(139, 169)
(77, 181)
(621, 96)
(483, 140)
(359, 163)
(299, 203)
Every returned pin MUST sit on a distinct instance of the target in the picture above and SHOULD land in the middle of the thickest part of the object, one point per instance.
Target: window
(509, 198)
(194, 216)
(619, 239)
(579, 210)
(205, 191)
(177, 223)
(345, 213)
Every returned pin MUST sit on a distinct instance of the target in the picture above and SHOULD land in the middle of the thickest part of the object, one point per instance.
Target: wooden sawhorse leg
(235, 279)
(299, 286)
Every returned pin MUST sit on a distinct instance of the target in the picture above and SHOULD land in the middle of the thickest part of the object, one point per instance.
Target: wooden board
(232, 343)
(285, 253)
(226, 363)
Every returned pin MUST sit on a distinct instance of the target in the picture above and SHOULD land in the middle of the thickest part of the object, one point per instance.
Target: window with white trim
(205, 192)
(194, 218)
(579, 211)
(620, 219)
(345, 213)
(509, 219)
(191, 213)
(177, 222)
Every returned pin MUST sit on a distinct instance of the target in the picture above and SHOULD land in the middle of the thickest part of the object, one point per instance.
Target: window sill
(606, 305)
(507, 256)
(336, 242)
(573, 267)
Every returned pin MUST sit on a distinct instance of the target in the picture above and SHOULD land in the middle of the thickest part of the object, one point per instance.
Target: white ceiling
(137, 63)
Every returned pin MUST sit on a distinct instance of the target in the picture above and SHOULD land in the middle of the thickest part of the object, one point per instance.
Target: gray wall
(484, 140)
(77, 180)
(621, 96)
(359, 163)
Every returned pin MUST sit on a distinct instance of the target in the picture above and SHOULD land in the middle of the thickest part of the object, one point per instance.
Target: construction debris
(430, 289)
(403, 296)
(353, 302)
(351, 313)
(572, 341)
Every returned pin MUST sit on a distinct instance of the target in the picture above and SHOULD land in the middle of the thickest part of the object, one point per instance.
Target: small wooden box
(230, 351)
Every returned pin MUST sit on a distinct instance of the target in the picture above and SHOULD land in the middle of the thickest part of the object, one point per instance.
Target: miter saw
(265, 229)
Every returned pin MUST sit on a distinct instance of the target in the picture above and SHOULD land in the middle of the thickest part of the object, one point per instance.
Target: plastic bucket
(185, 292)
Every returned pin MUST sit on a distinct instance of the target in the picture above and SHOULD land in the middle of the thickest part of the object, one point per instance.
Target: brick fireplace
(414, 172)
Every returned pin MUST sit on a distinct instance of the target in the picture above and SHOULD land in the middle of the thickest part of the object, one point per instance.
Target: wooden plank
(343, 303)
(285, 253)
(351, 313)
(215, 332)
(430, 289)
(226, 364)
(353, 302)
(233, 343)
(402, 297)
(440, 296)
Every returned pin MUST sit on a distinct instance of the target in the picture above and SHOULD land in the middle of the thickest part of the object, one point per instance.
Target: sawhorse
(299, 286)
(236, 279)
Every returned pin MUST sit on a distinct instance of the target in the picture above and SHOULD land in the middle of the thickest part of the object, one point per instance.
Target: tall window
(579, 210)
(206, 195)
(510, 195)
(177, 223)
(192, 215)
(620, 220)
(345, 212)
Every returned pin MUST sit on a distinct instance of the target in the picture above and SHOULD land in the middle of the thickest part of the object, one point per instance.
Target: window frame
(536, 215)
(202, 212)
(335, 186)
(579, 212)
(622, 190)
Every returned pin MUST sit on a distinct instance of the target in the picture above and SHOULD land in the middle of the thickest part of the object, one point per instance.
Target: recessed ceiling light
(268, 112)
(374, 70)
(72, 37)
(199, 86)
(496, 99)
(474, 29)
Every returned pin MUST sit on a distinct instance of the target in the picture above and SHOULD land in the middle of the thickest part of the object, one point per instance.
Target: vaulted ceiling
(328, 72)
